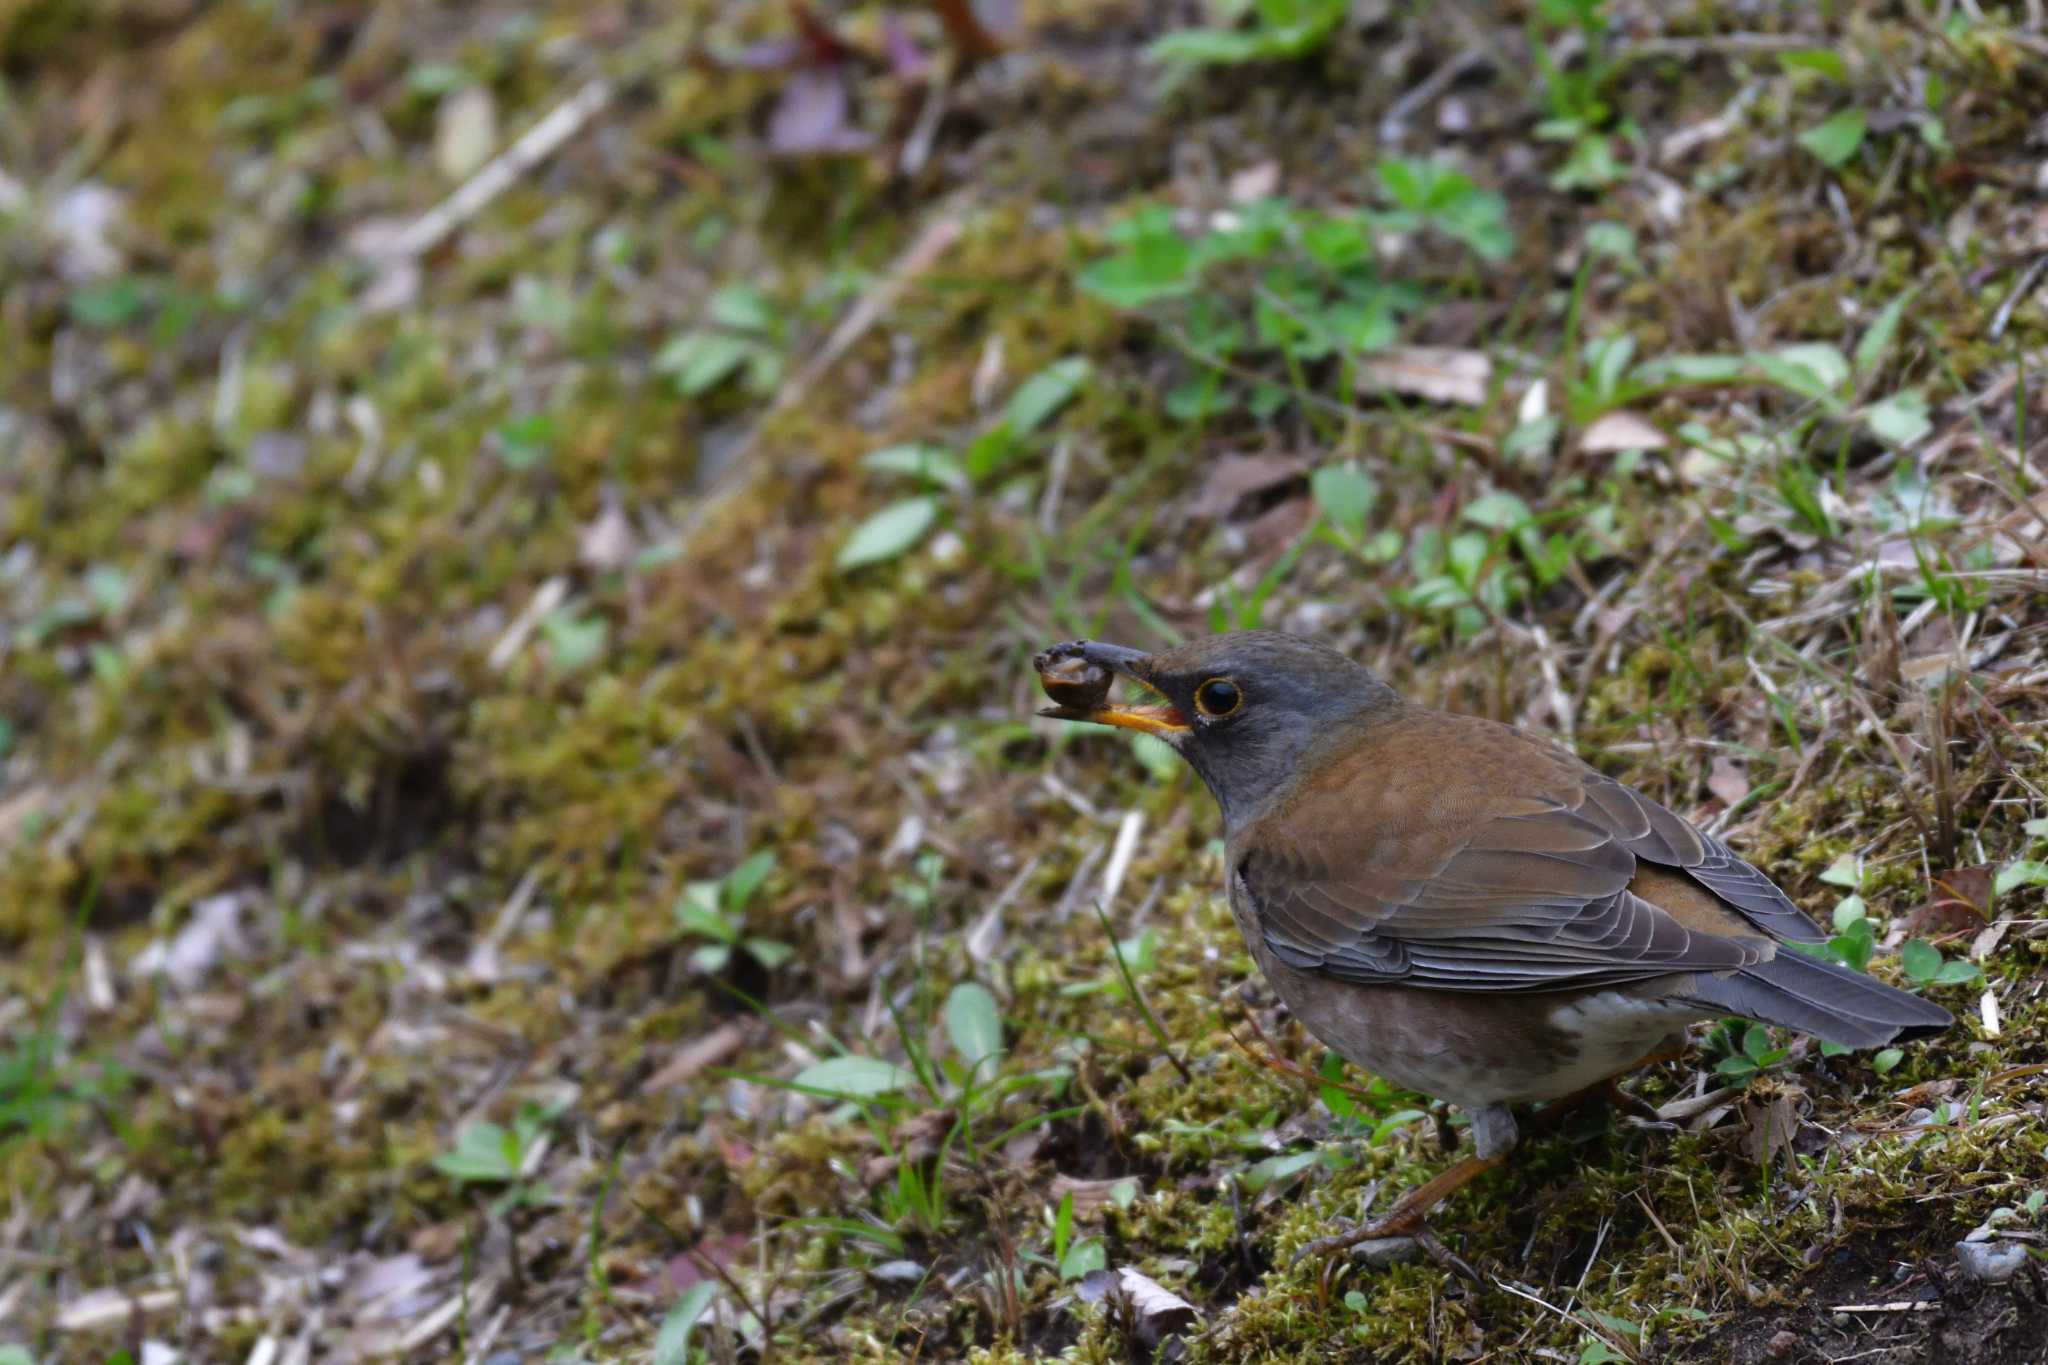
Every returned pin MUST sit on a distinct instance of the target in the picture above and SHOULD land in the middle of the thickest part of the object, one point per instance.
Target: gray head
(1242, 708)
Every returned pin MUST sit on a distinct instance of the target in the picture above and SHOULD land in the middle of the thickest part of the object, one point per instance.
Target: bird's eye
(1217, 698)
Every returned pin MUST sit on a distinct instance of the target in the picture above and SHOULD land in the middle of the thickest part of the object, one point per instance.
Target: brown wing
(1497, 864)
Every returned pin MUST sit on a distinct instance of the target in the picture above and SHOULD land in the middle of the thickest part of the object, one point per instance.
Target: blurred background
(522, 531)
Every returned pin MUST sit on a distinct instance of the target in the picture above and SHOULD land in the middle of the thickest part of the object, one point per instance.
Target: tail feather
(1824, 999)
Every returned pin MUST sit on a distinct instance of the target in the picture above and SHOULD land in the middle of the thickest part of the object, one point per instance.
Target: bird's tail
(1824, 999)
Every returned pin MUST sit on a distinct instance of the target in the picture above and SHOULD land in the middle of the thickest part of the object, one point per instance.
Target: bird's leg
(1406, 1218)
(1493, 1134)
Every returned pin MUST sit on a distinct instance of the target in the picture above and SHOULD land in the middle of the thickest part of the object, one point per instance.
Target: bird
(1460, 906)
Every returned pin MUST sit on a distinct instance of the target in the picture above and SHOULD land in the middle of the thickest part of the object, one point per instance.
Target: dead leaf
(1146, 1311)
(465, 131)
(692, 1057)
(1960, 900)
(1257, 181)
(1770, 1123)
(1621, 430)
(811, 115)
(1235, 478)
(1727, 781)
(1439, 374)
(607, 543)
(1089, 1195)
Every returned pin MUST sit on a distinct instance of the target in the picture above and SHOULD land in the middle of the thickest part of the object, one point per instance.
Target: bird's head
(1243, 708)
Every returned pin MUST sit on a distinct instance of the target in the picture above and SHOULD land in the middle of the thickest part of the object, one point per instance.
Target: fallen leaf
(1770, 1123)
(607, 543)
(1257, 181)
(1146, 1310)
(811, 115)
(1089, 1195)
(1440, 374)
(1235, 478)
(1726, 780)
(1621, 430)
(465, 131)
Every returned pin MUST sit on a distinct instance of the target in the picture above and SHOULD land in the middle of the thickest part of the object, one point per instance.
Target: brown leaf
(811, 115)
(1621, 430)
(1960, 900)
(1439, 374)
(1769, 1124)
(1236, 478)
(1146, 1311)
(1727, 781)
(1089, 1195)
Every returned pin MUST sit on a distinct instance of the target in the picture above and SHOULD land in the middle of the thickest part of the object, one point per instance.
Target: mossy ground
(274, 524)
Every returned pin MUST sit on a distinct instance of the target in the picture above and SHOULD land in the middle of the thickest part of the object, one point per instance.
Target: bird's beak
(1162, 719)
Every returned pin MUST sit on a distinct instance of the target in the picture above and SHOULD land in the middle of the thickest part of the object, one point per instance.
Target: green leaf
(1956, 972)
(1848, 910)
(112, 303)
(740, 885)
(1837, 139)
(672, 1342)
(1756, 1043)
(1877, 338)
(1813, 368)
(928, 463)
(1082, 1258)
(991, 450)
(1692, 369)
(1735, 1067)
(2024, 872)
(711, 959)
(1920, 959)
(698, 362)
(1900, 419)
(1847, 870)
(694, 916)
(1155, 262)
(1497, 512)
(1884, 1061)
(1615, 240)
(1346, 495)
(524, 442)
(1263, 1173)
(742, 308)
(480, 1154)
(973, 1024)
(574, 642)
(15, 1355)
(856, 1077)
(1826, 61)
(1044, 394)
(888, 533)
(768, 952)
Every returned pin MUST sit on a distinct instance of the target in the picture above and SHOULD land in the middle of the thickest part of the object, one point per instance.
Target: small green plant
(1599, 1347)
(1273, 282)
(672, 1343)
(900, 526)
(1282, 30)
(717, 910)
(742, 337)
(1071, 1257)
(1578, 113)
(1742, 1049)
(42, 1093)
(490, 1154)
(968, 1085)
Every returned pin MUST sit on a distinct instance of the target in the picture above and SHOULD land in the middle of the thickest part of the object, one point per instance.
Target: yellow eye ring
(1218, 698)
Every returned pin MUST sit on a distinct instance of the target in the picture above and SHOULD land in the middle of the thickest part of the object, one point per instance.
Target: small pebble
(1782, 1346)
